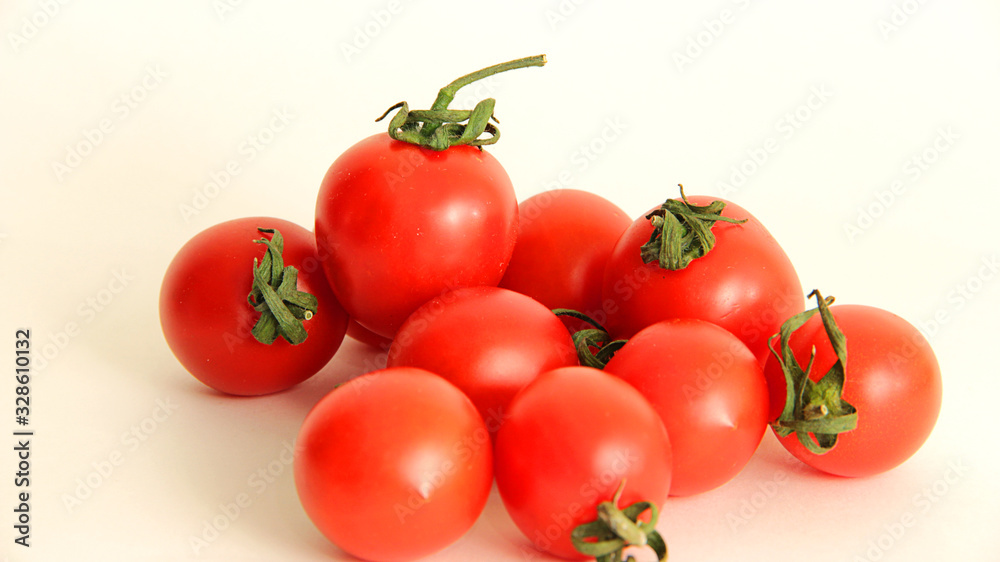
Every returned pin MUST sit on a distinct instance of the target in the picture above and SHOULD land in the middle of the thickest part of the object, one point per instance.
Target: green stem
(815, 411)
(588, 339)
(617, 529)
(275, 295)
(440, 128)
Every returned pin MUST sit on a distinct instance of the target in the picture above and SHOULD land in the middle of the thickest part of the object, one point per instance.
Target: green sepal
(682, 232)
(276, 297)
(588, 339)
(615, 529)
(814, 409)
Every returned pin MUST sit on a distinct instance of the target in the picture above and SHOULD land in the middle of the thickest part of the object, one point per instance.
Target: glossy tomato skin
(401, 224)
(892, 379)
(206, 318)
(572, 436)
(745, 284)
(564, 240)
(710, 391)
(488, 341)
(393, 465)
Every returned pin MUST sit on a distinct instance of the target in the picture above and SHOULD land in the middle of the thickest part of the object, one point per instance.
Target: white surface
(202, 81)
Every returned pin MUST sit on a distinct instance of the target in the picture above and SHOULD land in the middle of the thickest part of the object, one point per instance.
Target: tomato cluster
(589, 364)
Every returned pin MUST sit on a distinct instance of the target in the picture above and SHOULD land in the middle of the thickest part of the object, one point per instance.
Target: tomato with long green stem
(408, 215)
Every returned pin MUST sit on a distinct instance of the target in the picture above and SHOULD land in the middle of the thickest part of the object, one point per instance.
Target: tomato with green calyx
(408, 215)
(698, 257)
(855, 390)
(246, 309)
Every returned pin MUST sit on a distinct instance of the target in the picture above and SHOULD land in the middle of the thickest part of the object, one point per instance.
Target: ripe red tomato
(891, 378)
(570, 438)
(745, 284)
(564, 239)
(207, 319)
(393, 465)
(710, 391)
(489, 342)
(402, 224)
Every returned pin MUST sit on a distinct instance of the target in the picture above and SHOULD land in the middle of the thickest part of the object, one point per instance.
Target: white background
(881, 183)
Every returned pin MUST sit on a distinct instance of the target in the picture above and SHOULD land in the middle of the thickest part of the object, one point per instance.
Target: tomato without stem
(564, 239)
(403, 223)
(571, 437)
(710, 391)
(207, 320)
(393, 465)
(892, 379)
(746, 283)
(488, 341)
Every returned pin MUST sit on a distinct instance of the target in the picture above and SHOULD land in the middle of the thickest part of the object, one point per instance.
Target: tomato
(207, 320)
(891, 378)
(710, 391)
(488, 341)
(361, 334)
(564, 239)
(571, 436)
(746, 283)
(393, 465)
(403, 223)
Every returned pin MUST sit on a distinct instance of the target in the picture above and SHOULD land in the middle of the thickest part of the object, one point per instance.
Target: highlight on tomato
(710, 391)
(572, 437)
(395, 464)
(705, 258)
(246, 309)
(855, 390)
(409, 214)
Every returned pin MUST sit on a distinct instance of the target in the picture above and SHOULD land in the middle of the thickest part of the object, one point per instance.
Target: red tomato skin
(710, 391)
(206, 319)
(572, 435)
(745, 284)
(893, 379)
(488, 341)
(564, 240)
(401, 224)
(393, 465)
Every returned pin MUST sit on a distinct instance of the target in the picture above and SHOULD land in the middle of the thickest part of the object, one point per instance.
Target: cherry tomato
(393, 465)
(402, 224)
(745, 284)
(571, 437)
(208, 321)
(489, 342)
(710, 391)
(892, 379)
(564, 239)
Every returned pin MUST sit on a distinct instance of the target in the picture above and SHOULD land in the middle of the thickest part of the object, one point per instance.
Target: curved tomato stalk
(617, 529)
(682, 232)
(439, 127)
(276, 296)
(814, 409)
(589, 339)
